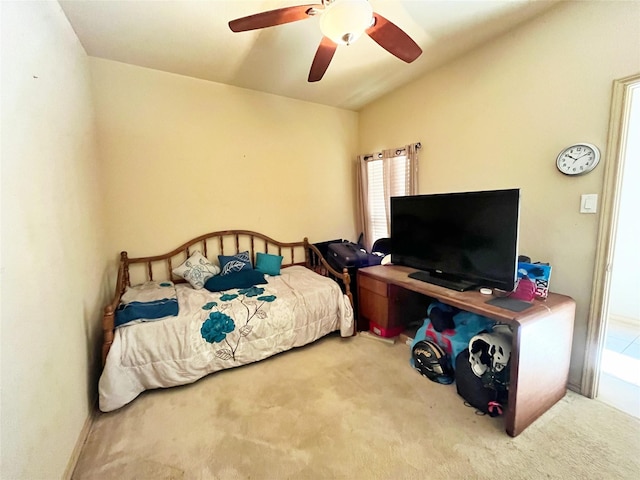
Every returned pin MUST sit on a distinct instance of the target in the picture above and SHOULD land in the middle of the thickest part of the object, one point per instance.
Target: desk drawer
(376, 286)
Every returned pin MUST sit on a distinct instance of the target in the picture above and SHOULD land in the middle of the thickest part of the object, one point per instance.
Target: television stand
(541, 342)
(457, 284)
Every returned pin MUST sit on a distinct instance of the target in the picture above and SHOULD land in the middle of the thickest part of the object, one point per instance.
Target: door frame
(599, 307)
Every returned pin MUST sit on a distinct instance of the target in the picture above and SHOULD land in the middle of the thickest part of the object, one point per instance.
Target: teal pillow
(268, 263)
(242, 279)
(235, 263)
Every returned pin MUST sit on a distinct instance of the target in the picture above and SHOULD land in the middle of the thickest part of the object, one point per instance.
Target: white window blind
(387, 177)
(377, 213)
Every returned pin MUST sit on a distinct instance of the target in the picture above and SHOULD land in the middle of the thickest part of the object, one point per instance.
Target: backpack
(432, 362)
(475, 391)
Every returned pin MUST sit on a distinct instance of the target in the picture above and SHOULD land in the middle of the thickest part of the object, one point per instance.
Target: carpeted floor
(348, 409)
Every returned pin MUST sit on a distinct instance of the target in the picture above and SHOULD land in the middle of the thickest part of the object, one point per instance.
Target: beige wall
(53, 259)
(183, 157)
(497, 118)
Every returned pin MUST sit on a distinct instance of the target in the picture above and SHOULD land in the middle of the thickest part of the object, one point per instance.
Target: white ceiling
(192, 38)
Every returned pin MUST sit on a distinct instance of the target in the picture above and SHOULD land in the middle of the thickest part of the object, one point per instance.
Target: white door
(612, 361)
(620, 366)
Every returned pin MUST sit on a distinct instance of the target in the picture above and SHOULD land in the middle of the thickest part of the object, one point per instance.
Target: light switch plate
(589, 203)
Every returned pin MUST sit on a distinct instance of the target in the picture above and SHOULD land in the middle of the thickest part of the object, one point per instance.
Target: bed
(221, 300)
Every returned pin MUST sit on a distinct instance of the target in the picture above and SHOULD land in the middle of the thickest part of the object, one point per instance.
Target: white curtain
(382, 175)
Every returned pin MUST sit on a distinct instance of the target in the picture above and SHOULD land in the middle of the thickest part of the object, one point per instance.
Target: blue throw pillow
(268, 263)
(234, 263)
(243, 279)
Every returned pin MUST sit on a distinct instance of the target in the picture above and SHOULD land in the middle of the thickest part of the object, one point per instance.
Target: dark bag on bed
(349, 255)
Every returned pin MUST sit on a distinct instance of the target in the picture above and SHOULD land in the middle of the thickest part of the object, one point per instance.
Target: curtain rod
(398, 151)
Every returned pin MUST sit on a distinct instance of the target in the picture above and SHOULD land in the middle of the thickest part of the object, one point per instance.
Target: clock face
(578, 159)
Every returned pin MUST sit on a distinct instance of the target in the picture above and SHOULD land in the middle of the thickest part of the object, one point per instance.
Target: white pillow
(196, 270)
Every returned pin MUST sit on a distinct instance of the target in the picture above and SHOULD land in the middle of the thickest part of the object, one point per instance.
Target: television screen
(468, 238)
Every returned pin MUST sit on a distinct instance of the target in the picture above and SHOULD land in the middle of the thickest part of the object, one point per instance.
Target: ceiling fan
(342, 22)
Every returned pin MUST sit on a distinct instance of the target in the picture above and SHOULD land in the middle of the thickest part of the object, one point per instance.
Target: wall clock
(578, 159)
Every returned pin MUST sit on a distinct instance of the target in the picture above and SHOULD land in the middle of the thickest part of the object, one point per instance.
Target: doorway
(612, 361)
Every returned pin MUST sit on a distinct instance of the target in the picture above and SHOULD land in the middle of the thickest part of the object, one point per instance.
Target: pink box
(385, 332)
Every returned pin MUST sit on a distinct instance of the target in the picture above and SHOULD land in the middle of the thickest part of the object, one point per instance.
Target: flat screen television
(458, 240)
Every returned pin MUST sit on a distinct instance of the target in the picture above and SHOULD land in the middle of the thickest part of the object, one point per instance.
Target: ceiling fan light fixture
(344, 21)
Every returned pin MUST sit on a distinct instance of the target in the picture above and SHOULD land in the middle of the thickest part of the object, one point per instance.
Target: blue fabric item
(146, 311)
(268, 263)
(234, 263)
(467, 325)
(242, 279)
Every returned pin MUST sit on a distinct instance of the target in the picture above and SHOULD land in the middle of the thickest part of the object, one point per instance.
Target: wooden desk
(542, 334)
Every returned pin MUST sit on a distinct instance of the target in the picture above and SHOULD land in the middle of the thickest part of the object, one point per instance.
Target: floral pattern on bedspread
(219, 327)
(219, 330)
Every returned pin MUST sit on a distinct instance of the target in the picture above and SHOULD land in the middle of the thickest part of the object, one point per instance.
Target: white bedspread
(214, 331)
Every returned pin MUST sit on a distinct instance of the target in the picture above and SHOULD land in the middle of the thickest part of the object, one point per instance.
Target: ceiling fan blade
(321, 61)
(272, 18)
(393, 39)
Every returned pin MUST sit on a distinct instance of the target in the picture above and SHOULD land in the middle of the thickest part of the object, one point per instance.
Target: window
(384, 175)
